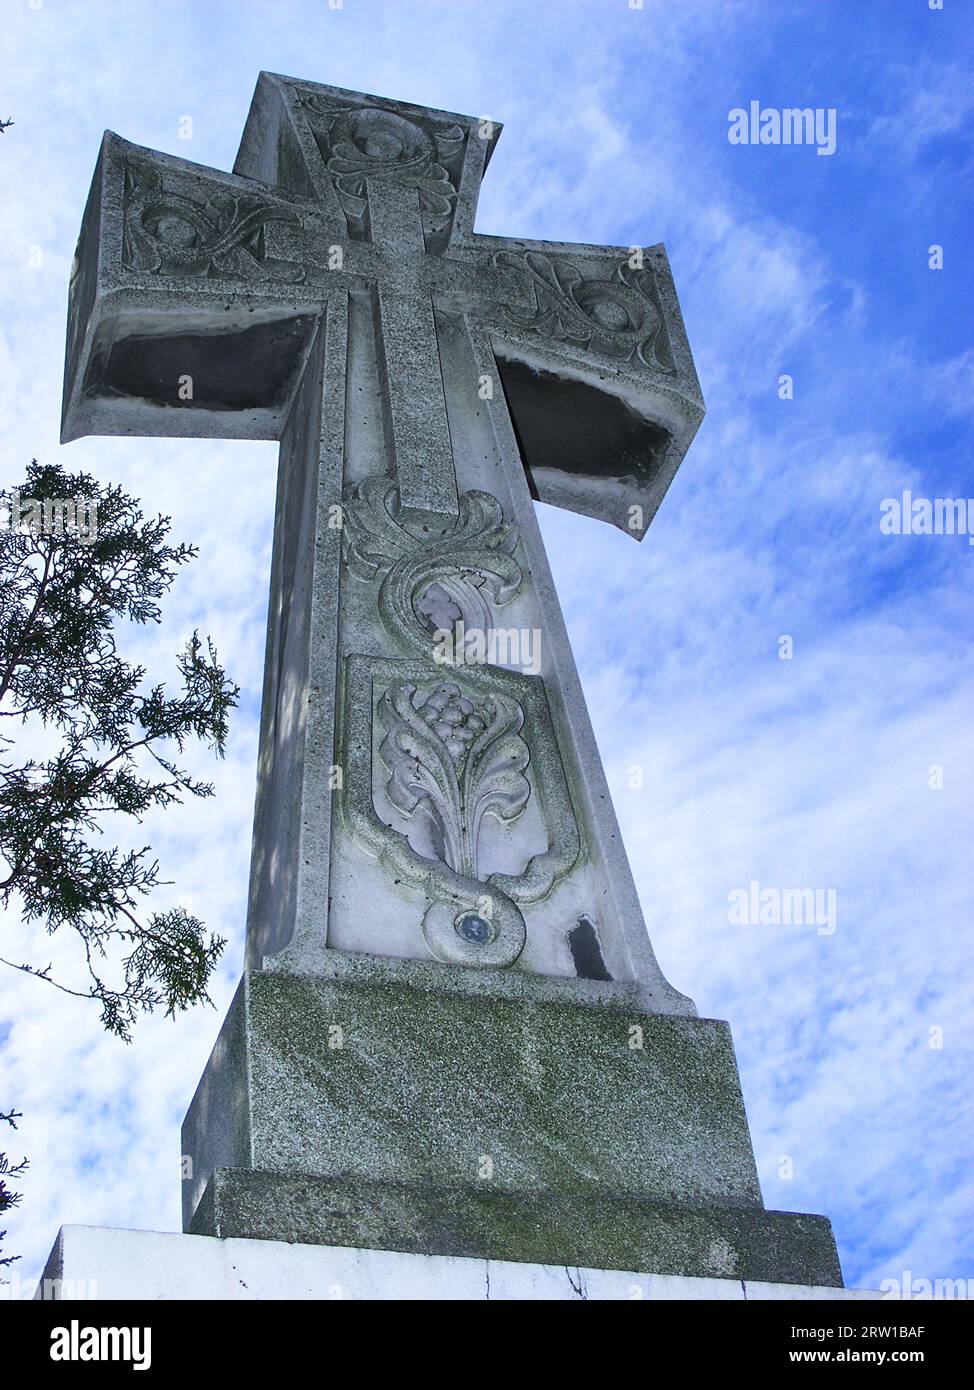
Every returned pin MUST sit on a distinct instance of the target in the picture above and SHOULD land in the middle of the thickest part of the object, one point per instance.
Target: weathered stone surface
(603, 1232)
(454, 1034)
(364, 1110)
(382, 1081)
(331, 293)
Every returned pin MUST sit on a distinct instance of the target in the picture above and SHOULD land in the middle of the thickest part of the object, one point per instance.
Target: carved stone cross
(452, 1035)
(424, 382)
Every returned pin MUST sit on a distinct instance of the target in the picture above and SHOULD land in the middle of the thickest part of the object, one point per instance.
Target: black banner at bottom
(163, 1338)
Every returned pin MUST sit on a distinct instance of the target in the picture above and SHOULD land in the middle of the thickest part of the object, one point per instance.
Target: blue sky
(812, 771)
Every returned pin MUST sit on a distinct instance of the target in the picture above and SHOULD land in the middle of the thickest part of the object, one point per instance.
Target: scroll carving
(459, 575)
(171, 233)
(363, 143)
(619, 317)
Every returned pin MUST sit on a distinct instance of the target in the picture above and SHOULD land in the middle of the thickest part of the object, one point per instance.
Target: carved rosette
(619, 317)
(363, 143)
(168, 232)
(459, 575)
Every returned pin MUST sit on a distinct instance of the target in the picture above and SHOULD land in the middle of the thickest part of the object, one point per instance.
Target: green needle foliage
(62, 598)
(8, 1198)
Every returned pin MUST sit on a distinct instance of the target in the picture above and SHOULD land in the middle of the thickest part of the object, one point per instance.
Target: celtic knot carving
(171, 233)
(368, 143)
(455, 577)
(619, 317)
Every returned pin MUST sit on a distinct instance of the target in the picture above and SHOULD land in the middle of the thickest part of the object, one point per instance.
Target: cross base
(533, 1228)
(376, 1108)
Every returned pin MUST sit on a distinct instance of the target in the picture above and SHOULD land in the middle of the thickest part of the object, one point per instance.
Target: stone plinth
(374, 1107)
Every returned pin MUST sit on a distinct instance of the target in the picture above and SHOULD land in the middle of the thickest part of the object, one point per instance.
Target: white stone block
(96, 1262)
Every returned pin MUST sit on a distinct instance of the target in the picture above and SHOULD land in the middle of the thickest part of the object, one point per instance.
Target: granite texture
(603, 1232)
(384, 1081)
(373, 1112)
(454, 1034)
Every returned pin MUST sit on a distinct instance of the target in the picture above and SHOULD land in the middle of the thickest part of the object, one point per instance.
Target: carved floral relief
(619, 317)
(362, 143)
(174, 233)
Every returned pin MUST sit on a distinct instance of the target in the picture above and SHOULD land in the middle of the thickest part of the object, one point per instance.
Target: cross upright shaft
(452, 1035)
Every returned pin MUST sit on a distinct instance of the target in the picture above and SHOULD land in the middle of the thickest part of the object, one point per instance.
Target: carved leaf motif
(449, 778)
(423, 772)
(619, 317)
(462, 573)
(169, 233)
(456, 760)
(367, 142)
(493, 780)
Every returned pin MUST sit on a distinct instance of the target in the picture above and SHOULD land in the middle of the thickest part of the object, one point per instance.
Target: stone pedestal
(384, 1105)
(95, 1263)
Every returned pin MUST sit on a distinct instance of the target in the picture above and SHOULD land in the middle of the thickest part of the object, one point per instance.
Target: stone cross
(424, 382)
(452, 1035)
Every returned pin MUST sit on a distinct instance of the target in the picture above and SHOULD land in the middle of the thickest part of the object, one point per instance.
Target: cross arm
(599, 378)
(194, 297)
(345, 149)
